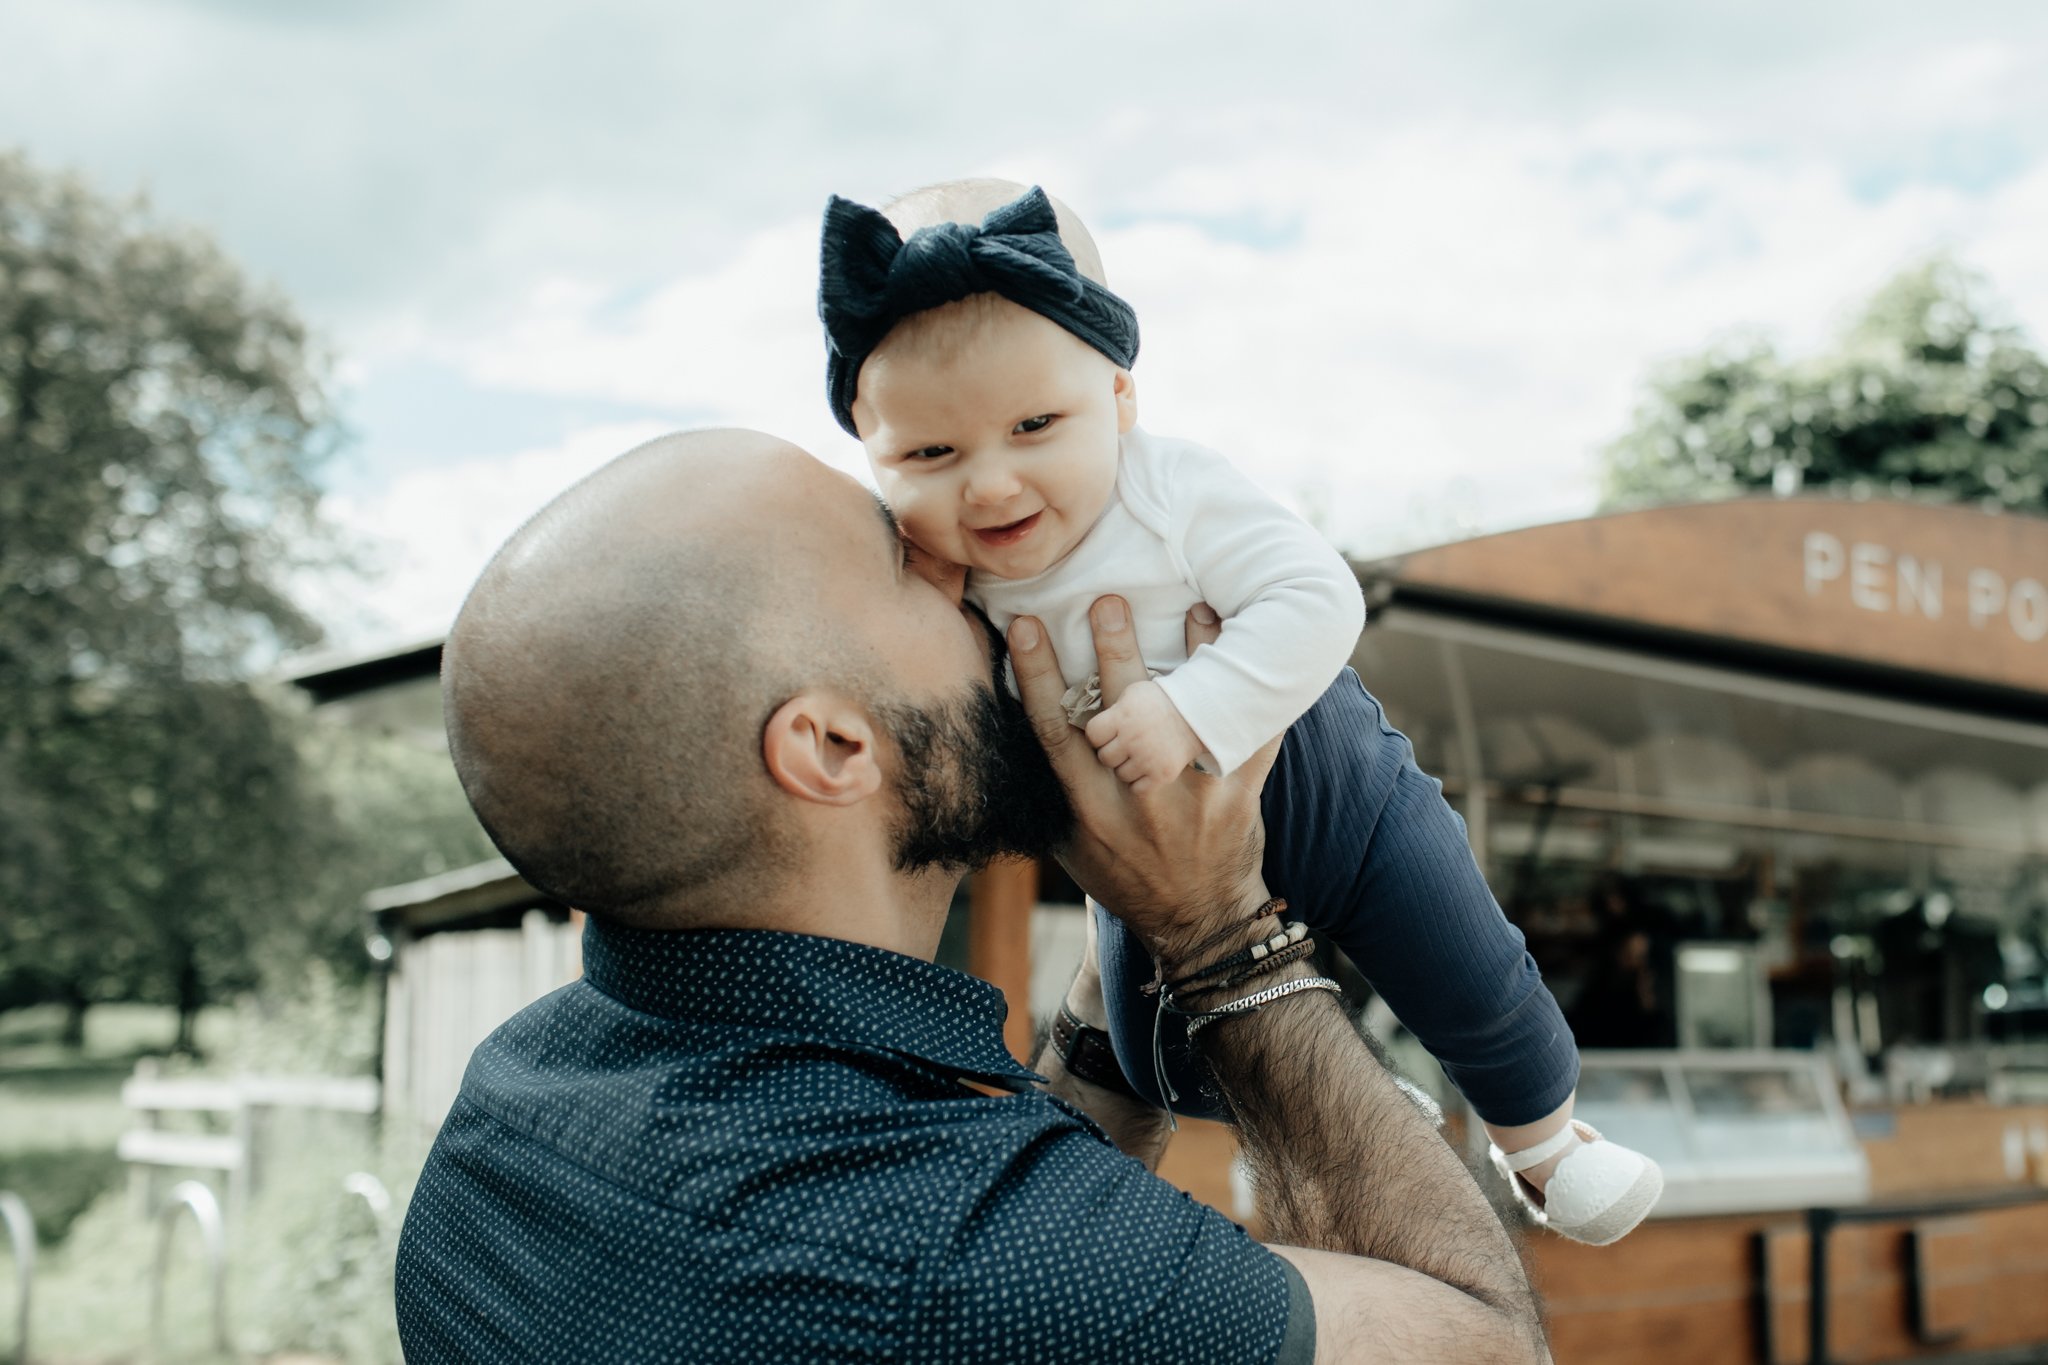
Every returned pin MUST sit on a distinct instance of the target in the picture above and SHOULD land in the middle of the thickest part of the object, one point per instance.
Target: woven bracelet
(1272, 962)
(1273, 907)
(1290, 934)
(1162, 994)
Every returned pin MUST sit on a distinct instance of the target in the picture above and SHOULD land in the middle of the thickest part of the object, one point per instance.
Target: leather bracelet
(1088, 1056)
(1273, 907)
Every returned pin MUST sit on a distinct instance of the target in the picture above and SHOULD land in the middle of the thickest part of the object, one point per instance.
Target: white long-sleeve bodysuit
(1184, 527)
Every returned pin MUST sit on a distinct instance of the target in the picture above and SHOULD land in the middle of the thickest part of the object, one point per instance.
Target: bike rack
(21, 1231)
(199, 1198)
(371, 1191)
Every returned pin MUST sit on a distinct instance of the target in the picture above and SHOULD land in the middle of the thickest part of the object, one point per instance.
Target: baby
(976, 351)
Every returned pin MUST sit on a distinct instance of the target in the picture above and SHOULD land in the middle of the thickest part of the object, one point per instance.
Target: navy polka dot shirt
(757, 1147)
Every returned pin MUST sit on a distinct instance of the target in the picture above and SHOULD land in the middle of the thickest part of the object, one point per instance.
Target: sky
(1409, 266)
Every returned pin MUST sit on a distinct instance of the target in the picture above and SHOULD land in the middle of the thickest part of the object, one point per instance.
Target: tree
(1924, 396)
(161, 425)
(390, 812)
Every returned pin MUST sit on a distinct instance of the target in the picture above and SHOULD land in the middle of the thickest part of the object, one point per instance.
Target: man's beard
(974, 784)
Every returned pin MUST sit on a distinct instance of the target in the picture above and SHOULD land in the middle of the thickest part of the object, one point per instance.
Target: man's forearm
(1344, 1161)
(1404, 1260)
(1136, 1128)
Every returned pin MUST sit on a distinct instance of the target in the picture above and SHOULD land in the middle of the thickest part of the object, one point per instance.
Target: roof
(332, 677)
(1906, 596)
(461, 893)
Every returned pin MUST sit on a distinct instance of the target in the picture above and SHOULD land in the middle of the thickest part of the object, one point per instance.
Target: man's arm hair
(1343, 1161)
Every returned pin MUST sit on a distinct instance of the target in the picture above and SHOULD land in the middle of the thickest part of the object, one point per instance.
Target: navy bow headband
(870, 279)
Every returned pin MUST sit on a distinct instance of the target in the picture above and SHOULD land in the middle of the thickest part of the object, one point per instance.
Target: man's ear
(821, 747)
(1126, 391)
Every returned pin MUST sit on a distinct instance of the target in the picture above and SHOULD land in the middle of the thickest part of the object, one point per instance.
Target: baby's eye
(1031, 424)
(929, 453)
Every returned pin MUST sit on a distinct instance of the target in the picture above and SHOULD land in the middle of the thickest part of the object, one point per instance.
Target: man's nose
(948, 577)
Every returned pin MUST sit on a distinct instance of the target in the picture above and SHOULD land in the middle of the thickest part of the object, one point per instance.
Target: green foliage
(35, 1055)
(316, 1023)
(1924, 397)
(58, 1184)
(169, 830)
(309, 1269)
(313, 1264)
(391, 812)
(160, 426)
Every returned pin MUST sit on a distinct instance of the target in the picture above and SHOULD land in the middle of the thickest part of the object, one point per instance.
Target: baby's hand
(1143, 738)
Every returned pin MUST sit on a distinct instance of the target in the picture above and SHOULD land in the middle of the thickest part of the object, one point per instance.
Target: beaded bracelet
(1197, 1019)
(1260, 957)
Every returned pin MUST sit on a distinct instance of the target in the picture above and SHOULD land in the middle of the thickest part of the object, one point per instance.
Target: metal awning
(1529, 715)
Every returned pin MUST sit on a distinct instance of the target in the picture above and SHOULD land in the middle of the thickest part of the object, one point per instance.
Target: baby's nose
(990, 487)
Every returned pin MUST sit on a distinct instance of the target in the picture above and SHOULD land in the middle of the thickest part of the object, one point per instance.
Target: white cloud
(739, 344)
(1440, 327)
(429, 533)
(1406, 263)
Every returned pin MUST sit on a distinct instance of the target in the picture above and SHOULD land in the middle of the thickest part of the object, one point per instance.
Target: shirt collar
(799, 983)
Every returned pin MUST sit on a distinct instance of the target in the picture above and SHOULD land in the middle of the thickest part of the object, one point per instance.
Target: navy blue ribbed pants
(1367, 852)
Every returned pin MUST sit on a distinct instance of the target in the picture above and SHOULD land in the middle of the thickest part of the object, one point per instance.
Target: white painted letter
(1920, 587)
(1866, 576)
(1823, 560)
(2028, 611)
(1987, 596)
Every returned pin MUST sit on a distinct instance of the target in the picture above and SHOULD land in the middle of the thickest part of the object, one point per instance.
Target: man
(710, 696)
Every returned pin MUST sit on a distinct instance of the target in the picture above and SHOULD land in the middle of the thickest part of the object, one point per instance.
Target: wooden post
(999, 904)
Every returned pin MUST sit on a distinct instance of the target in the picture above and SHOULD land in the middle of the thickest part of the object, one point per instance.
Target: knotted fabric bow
(870, 279)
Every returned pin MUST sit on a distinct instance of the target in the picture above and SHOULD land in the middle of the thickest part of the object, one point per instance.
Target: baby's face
(1001, 453)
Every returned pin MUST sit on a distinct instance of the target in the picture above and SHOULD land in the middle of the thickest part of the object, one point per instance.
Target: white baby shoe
(1598, 1193)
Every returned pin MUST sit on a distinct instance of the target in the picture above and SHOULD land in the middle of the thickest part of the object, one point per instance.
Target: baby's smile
(1009, 533)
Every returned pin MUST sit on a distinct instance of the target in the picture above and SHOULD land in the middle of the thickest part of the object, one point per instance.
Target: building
(1765, 783)
(1816, 730)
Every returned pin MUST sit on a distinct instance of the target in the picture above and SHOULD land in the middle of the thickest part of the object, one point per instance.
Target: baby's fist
(1143, 738)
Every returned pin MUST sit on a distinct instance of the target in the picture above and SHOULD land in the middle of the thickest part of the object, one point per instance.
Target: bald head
(607, 681)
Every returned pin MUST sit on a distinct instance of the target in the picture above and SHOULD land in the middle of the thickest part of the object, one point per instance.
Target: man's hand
(1177, 859)
(1143, 739)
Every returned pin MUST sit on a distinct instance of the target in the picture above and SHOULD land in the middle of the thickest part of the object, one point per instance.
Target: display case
(1735, 1131)
(1724, 1000)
